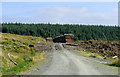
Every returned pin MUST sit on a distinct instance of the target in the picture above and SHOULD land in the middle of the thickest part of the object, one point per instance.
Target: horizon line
(59, 23)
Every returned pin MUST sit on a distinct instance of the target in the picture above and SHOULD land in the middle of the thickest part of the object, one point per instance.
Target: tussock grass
(22, 52)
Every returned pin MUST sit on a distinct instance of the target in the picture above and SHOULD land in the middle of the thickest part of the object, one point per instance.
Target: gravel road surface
(65, 62)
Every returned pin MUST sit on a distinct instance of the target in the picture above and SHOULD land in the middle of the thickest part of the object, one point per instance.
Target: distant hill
(81, 32)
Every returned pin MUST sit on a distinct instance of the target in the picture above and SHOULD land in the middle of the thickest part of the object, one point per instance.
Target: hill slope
(21, 51)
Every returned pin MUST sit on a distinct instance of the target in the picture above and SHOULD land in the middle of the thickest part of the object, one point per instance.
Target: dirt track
(63, 62)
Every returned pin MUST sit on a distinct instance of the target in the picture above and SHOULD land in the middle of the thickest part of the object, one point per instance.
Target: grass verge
(88, 53)
(115, 63)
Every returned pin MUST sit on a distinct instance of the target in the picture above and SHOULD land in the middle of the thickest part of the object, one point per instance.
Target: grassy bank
(21, 51)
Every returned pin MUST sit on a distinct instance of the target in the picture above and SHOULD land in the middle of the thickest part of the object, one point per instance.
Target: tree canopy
(81, 32)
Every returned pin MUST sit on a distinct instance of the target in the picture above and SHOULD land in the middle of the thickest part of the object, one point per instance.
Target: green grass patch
(115, 63)
(88, 51)
(16, 69)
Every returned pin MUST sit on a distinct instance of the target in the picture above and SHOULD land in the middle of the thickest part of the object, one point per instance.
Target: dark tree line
(81, 32)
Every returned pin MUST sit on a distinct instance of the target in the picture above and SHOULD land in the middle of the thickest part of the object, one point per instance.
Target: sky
(59, 0)
(104, 13)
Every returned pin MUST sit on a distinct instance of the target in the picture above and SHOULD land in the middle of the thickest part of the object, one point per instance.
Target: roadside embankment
(21, 50)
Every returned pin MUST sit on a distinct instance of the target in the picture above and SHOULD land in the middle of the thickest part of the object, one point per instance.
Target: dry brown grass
(89, 54)
(103, 48)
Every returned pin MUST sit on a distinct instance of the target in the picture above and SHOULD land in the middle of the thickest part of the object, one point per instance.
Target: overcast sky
(105, 13)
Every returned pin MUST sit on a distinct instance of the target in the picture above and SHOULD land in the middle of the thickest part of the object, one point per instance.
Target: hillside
(21, 51)
(81, 32)
(104, 48)
(100, 49)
